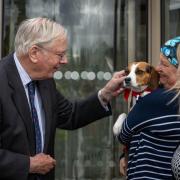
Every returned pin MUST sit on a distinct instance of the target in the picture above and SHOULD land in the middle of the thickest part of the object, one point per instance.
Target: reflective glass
(170, 19)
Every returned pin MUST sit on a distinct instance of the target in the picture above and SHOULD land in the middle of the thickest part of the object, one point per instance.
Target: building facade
(103, 37)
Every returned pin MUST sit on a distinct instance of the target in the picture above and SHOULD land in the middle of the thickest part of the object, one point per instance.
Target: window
(170, 19)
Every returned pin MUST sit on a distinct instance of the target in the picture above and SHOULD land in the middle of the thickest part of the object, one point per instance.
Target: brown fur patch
(145, 74)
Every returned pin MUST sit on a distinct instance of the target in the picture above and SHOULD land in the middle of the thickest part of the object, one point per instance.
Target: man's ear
(34, 53)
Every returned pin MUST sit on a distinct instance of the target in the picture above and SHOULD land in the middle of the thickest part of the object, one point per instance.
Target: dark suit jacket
(17, 139)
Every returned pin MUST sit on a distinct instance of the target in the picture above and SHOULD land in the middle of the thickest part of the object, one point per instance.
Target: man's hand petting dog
(114, 87)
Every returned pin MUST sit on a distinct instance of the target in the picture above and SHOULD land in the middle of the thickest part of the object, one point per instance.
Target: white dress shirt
(25, 78)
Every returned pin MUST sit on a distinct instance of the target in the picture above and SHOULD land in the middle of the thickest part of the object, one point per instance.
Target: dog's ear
(149, 69)
(154, 79)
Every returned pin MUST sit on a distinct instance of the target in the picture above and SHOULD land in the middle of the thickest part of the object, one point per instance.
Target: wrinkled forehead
(163, 59)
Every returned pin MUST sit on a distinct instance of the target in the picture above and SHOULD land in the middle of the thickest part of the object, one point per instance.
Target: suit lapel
(46, 102)
(20, 100)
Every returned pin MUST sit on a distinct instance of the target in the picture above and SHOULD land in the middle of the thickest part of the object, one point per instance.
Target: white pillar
(154, 31)
(131, 30)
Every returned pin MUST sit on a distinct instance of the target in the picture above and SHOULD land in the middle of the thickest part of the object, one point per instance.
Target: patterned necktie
(31, 92)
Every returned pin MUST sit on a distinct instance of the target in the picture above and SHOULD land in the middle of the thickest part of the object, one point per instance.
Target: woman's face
(167, 72)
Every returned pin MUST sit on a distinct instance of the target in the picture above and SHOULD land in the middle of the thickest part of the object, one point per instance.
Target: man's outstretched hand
(114, 87)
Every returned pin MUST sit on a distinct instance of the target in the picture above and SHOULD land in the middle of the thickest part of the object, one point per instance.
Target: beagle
(140, 76)
(141, 79)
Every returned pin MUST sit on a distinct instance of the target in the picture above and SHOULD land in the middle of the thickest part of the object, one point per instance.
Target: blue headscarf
(169, 49)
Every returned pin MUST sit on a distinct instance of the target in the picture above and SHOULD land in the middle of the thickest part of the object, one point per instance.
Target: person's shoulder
(160, 96)
(9, 56)
(164, 93)
(5, 63)
(158, 102)
(161, 93)
(6, 60)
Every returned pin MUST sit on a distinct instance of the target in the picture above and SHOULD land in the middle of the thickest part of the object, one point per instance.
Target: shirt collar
(25, 78)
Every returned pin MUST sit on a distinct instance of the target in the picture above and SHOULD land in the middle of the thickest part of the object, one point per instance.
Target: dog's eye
(139, 72)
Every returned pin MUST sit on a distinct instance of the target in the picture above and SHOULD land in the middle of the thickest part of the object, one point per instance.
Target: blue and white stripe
(152, 133)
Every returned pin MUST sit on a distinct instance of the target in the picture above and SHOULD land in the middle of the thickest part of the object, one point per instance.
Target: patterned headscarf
(169, 49)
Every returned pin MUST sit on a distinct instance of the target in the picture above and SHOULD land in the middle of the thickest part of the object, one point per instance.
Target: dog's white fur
(118, 124)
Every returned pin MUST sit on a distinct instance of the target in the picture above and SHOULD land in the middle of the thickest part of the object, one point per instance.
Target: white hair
(37, 31)
(177, 85)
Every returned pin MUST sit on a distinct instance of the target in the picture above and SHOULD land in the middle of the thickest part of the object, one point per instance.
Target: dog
(141, 79)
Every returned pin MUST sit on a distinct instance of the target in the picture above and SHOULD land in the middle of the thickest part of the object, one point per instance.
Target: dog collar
(127, 93)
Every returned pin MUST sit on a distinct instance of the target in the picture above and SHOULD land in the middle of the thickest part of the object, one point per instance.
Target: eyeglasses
(59, 55)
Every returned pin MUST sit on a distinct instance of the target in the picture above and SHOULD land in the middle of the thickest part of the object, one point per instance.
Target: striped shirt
(152, 133)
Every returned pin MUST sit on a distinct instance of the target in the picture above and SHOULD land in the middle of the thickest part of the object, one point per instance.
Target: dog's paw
(118, 124)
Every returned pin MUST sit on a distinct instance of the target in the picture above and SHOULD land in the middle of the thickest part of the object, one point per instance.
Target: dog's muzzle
(127, 81)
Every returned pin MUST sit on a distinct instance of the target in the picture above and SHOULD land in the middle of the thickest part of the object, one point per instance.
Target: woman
(175, 163)
(152, 128)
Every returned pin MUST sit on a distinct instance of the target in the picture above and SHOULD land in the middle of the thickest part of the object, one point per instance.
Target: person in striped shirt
(152, 128)
(175, 162)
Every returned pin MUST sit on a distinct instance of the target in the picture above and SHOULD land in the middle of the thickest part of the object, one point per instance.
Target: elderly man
(31, 108)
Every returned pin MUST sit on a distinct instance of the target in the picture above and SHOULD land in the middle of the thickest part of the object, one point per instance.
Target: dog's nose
(127, 80)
